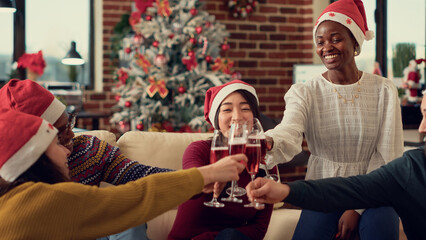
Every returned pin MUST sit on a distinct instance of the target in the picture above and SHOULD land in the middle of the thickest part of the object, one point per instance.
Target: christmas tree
(168, 57)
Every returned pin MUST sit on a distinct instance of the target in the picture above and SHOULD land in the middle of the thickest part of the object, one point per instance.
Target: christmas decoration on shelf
(242, 8)
(169, 55)
(34, 63)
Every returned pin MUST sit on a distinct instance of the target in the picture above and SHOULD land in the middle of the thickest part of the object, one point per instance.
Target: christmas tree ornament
(140, 126)
(193, 11)
(117, 98)
(241, 8)
(155, 43)
(225, 47)
(128, 104)
(191, 53)
(142, 62)
(193, 41)
(157, 87)
(208, 59)
(138, 39)
(163, 8)
(236, 76)
(148, 18)
(123, 126)
(122, 75)
(181, 89)
(171, 36)
(160, 60)
(223, 65)
(199, 30)
(128, 50)
(205, 43)
(190, 61)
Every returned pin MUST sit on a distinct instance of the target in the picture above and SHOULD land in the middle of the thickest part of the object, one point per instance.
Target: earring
(356, 52)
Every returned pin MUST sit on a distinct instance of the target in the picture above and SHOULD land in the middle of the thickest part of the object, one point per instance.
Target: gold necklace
(354, 96)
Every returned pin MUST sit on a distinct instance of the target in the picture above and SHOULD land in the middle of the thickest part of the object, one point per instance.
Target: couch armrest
(108, 137)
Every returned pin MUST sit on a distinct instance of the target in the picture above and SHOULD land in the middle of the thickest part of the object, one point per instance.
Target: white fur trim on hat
(54, 111)
(223, 93)
(348, 23)
(29, 153)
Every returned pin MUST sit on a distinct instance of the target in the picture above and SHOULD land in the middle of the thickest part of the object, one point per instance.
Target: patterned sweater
(94, 160)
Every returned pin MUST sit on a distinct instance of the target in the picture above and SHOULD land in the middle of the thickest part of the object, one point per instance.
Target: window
(50, 26)
(406, 25)
(6, 45)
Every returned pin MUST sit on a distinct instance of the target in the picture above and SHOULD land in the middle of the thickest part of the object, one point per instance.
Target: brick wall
(264, 47)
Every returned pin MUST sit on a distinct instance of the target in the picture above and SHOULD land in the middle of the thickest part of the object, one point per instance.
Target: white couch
(165, 150)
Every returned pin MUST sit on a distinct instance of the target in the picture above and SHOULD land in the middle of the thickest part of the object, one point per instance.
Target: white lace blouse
(344, 139)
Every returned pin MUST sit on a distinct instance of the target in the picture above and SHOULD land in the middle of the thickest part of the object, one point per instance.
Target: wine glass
(254, 152)
(219, 149)
(237, 142)
(273, 176)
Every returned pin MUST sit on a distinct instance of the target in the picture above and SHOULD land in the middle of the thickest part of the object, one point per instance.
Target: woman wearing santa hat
(351, 121)
(91, 160)
(38, 202)
(224, 104)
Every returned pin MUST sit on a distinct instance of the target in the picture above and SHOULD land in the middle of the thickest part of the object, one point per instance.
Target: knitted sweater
(400, 184)
(94, 160)
(76, 211)
(196, 221)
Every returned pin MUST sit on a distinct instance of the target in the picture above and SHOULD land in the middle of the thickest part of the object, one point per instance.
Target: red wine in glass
(218, 153)
(253, 156)
(236, 147)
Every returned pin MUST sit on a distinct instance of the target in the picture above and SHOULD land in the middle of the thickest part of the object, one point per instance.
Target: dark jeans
(231, 234)
(375, 223)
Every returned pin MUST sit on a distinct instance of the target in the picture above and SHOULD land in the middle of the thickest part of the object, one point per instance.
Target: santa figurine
(411, 80)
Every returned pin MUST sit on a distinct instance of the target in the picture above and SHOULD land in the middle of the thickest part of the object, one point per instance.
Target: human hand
(269, 143)
(267, 191)
(348, 225)
(225, 170)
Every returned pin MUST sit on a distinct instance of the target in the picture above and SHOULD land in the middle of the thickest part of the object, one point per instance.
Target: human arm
(106, 163)
(390, 143)
(287, 136)
(379, 188)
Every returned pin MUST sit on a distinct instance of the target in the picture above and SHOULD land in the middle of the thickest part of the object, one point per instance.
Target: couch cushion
(109, 137)
(161, 149)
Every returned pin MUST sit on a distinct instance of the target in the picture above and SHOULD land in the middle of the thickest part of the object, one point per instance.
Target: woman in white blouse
(351, 121)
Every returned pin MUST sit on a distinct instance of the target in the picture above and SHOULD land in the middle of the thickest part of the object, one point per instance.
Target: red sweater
(196, 221)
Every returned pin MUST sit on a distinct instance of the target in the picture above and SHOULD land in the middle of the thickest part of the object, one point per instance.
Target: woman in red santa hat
(224, 104)
(351, 120)
(37, 201)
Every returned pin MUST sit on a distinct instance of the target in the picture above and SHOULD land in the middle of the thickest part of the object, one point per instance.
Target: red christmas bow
(122, 75)
(164, 8)
(157, 86)
(224, 65)
(142, 62)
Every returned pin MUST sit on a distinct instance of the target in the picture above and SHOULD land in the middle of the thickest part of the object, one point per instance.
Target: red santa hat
(215, 96)
(351, 14)
(29, 97)
(24, 138)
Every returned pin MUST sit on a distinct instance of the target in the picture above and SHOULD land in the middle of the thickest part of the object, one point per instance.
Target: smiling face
(234, 108)
(335, 45)
(57, 153)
